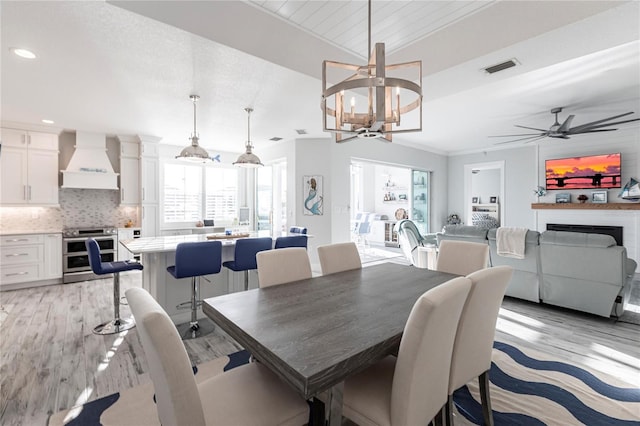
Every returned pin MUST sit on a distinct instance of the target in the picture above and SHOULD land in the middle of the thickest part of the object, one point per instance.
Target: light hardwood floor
(50, 360)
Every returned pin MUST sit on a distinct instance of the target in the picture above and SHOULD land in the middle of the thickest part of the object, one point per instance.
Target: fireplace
(614, 231)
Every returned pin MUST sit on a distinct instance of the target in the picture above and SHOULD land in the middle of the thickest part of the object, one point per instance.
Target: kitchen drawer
(20, 255)
(20, 273)
(21, 240)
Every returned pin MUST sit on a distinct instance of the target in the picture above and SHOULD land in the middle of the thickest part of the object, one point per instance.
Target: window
(182, 193)
(193, 192)
(221, 199)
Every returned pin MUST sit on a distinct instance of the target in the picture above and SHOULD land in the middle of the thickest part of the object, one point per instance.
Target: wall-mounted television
(586, 172)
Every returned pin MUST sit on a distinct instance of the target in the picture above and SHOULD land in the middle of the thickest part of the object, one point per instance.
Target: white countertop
(169, 243)
(31, 231)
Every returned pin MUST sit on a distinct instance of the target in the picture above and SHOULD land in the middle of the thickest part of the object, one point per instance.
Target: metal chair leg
(447, 411)
(485, 398)
(118, 324)
(246, 280)
(195, 329)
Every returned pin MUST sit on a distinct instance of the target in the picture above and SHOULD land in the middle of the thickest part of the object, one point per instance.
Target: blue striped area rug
(526, 389)
(531, 389)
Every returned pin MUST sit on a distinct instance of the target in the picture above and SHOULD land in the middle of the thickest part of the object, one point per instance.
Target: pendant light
(248, 159)
(194, 152)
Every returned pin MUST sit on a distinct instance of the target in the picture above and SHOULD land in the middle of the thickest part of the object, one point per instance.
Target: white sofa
(587, 272)
(525, 282)
(581, 271)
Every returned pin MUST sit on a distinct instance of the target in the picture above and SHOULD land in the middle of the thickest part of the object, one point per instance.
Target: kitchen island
(157, 253)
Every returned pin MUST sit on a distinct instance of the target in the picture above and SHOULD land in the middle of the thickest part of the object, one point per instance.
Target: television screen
(588, 172)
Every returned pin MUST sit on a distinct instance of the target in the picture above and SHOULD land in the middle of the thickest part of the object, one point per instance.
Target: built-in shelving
(585, 206)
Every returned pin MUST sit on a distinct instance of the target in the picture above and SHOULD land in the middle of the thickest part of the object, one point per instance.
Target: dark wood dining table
(316, 332)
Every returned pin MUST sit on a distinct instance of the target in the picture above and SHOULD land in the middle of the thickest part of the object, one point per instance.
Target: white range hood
(89, 167)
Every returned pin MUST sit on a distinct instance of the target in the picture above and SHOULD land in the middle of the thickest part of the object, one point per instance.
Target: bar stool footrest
(186, 331)
(187, 305)
(115, 326)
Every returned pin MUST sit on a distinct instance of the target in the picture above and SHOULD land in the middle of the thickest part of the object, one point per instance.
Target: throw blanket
(510, 242)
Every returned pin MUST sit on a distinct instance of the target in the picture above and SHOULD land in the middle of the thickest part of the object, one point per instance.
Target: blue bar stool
(297, 230)
(193, 260)
(102, 268)
(244, 258)
(291, 241)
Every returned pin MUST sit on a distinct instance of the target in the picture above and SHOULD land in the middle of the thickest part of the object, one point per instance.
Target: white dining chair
(245, 395)
(412, 388)
(282, 266)
(461, 257)
(474, 338)
(339, 257)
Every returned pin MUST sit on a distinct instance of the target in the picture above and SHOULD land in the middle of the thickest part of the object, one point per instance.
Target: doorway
(484, 190)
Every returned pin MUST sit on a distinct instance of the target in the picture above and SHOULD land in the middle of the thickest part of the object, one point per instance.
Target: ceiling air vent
(275, 139)
(501, 66)
(301, 131)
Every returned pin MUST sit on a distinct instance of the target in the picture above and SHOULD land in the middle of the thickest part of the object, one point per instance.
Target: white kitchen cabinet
(150, 180)
(28, 139)
(129, 171)
(52, 256)
(124, 234)
(129, 181)
(30, 258)
(150, 216)
(29, 174)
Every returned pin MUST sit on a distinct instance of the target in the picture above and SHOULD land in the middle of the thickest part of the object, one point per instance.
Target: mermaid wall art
(313, 195)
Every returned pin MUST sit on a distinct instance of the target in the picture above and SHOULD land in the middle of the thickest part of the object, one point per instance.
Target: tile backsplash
(78, 208)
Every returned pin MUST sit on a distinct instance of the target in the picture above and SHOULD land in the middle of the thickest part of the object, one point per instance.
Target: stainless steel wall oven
(75, 266)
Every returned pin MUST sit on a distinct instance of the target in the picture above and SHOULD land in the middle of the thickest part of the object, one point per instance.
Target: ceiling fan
(564, 130)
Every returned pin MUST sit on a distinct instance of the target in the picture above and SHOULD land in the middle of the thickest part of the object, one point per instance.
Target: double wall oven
(75, 258)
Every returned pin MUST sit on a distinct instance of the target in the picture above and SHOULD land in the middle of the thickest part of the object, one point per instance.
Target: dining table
(314, 333)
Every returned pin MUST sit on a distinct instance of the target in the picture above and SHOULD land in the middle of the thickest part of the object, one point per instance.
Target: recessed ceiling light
(24, 53)
(45, 121)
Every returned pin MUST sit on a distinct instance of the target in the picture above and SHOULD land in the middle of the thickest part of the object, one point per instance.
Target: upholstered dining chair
(339, 257)
(474, 338)
(461, 257)
(282, 266)
(291, 241)
(245, 395)
(412, 388)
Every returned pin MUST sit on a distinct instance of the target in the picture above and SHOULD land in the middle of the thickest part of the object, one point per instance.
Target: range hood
(89, 167)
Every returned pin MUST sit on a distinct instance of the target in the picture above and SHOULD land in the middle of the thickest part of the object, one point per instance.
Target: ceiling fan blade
(571, 131)
(529, 139)
(566, 125)
(531, 128)
(535, 139)
(583, 126)
(593, 131)
(521, 134)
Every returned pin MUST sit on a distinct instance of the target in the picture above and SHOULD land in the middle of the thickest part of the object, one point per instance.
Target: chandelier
(194, 152)
(383, 88)
(248, 159)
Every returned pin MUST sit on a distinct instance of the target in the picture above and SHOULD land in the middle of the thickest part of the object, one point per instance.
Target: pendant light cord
(249, 110)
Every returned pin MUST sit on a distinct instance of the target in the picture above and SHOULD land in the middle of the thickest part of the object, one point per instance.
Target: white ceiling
(129, 67)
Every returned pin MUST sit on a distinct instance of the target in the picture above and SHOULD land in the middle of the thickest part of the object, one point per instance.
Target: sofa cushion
(465, 231)
(580, 239)
(531, 237)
